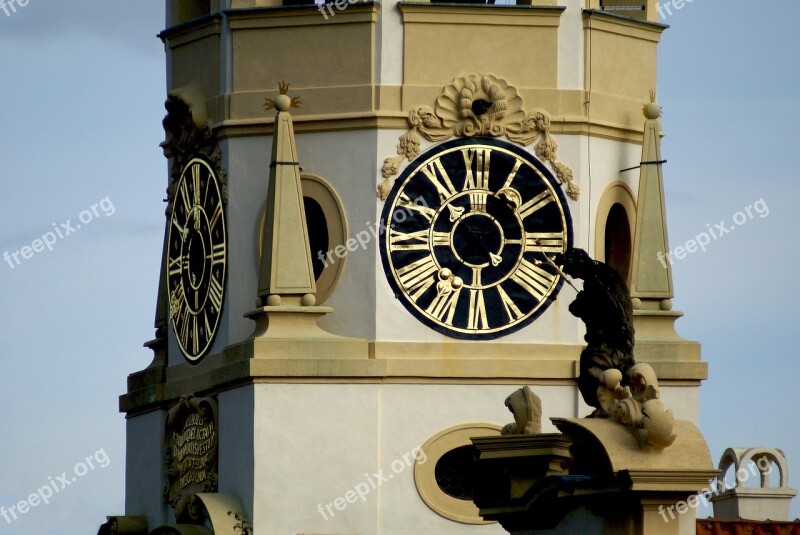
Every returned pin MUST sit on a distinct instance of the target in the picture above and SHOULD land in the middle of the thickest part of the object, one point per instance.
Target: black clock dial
(197, 258)
(471, 225)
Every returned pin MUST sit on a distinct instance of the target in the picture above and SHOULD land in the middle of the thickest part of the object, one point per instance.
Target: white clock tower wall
(347, 162)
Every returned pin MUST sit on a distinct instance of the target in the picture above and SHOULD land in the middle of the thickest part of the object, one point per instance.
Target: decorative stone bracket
(209, 514)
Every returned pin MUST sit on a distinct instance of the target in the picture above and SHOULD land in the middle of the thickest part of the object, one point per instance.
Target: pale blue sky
(80, 121)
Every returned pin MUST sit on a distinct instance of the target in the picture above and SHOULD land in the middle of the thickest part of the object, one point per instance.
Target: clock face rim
(545, 175)
(214, 178)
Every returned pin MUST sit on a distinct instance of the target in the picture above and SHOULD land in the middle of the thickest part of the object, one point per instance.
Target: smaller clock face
(196, 259)
(470, 229)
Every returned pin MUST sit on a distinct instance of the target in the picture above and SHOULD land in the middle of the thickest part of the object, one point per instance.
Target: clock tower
(365, 204)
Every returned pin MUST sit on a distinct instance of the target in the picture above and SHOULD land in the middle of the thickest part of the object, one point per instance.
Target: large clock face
(196, 259)
(471, 226)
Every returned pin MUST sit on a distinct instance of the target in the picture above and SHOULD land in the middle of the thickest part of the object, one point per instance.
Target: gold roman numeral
(443, 307)
(417, 276)
(215, 293)
(477, 311)
(215, 217)
(512, 175)
(196, 182)
(182, 326)
(477, 200)
(479, 178)
(441, 239)
(207, 324)
(512, 310)
(536, 204)
(535, 280)
(174, 267)
(184, 189)
(439, 178)
(544, 242)
(418, 239)
(217, 255)
(476, 276)
(195, 340)
(423, 210)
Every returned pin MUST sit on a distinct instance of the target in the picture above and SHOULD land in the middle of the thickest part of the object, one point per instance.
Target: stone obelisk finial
(287, 274)
(651, 270)
(286, 315)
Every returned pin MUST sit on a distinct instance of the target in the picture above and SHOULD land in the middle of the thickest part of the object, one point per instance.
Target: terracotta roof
(713, 526)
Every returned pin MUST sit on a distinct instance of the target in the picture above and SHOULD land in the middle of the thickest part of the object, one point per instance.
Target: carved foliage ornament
(478, 105)
(187, 134)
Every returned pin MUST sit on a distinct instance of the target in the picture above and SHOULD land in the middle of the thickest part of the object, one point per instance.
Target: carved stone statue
(605, 307)
(610, 380)
(527, 410)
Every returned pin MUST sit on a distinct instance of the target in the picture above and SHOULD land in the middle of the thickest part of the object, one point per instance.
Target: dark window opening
(455, 473)
(618, 240)
(318, 240)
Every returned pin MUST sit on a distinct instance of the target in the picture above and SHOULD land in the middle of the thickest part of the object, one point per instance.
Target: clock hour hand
(493, 258)
(183, 230)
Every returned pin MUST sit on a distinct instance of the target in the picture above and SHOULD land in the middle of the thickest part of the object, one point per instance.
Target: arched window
(618, 241)
(613, 228)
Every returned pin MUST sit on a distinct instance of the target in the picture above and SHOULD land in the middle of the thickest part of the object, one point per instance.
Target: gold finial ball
(283, 102)
(652, 110)
(308, 300)
(445, 274)
(457, 283)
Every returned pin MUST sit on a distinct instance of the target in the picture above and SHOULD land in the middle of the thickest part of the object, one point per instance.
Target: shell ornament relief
(478, 105)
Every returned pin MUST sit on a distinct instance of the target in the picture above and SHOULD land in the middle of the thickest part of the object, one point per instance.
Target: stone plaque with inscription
(190, 449)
